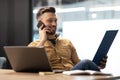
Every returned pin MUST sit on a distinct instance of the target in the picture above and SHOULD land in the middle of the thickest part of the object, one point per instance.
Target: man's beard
(52, 32)
(51, 36)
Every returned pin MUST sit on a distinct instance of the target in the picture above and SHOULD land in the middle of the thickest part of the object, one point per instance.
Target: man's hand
(103, 63)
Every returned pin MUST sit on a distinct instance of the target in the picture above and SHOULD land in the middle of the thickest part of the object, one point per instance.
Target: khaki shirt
(62, 56)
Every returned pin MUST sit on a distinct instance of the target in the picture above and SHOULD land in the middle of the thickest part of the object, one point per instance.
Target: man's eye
(50, 21)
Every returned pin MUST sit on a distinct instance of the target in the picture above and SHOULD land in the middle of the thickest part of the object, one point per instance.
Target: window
(77, 10)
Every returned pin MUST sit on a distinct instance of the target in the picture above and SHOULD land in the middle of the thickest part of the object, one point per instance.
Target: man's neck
(52, 36)
(49, 36)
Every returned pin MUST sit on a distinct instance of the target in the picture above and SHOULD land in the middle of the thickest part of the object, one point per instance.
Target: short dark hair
(44, 10)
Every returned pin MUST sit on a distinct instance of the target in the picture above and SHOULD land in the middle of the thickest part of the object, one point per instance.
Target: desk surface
(12, 75)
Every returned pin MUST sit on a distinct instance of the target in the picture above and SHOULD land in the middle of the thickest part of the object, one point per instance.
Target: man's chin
(51, 33)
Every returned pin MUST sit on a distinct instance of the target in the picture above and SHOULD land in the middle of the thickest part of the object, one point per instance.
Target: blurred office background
(84, 22)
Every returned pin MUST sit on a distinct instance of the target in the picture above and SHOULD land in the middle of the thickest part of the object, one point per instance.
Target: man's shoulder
(64, 39)
(34, 43)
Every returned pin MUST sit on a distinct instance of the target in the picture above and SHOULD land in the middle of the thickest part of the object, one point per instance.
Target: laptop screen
(28, 59)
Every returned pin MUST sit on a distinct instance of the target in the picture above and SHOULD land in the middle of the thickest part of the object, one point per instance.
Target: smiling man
(61, 52)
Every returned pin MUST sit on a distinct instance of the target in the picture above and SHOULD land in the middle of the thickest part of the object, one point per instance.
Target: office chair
(3, 62)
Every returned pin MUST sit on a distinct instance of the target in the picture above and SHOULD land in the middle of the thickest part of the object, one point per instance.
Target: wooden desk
(12, 75)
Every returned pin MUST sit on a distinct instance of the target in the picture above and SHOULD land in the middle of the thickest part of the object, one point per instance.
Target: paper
(84, 72)
(46, 73)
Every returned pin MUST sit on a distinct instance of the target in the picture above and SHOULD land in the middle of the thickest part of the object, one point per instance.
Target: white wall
(87, 35)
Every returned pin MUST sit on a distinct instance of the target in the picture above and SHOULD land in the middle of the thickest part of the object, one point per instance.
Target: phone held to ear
(40, 23)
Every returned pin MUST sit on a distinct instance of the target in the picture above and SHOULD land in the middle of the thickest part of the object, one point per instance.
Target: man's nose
(54, 23)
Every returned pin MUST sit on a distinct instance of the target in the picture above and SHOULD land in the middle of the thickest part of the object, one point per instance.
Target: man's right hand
(42, 36)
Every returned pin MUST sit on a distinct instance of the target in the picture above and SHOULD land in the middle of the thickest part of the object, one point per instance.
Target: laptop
(28, 59)
(104, 46)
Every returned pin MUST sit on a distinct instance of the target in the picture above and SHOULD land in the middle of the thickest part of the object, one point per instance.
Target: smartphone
(40, 23)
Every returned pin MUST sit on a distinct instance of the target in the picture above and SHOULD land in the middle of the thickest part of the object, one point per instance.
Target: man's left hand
(103, 63)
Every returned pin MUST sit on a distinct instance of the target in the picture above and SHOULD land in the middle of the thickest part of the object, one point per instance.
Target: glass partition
(78, 10)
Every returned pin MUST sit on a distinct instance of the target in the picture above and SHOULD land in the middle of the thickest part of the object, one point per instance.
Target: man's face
(50, 21)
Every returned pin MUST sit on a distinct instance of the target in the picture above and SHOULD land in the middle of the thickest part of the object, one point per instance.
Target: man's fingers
(101, 67)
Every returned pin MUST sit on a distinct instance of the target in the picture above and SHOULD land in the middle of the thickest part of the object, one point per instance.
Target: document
(84, 72)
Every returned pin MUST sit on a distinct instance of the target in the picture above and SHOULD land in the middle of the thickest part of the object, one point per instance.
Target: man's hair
(44, 10)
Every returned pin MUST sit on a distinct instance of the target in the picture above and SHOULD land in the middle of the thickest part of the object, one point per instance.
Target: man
(60, 52)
